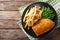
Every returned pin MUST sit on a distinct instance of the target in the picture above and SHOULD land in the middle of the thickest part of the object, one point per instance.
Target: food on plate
(40, 19)
(47, 13)
(43, 26)
(32, 16)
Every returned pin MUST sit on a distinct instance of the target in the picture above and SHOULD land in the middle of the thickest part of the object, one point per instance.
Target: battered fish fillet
(43, 26)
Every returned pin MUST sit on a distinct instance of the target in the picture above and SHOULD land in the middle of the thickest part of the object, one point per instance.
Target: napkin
(55, 4)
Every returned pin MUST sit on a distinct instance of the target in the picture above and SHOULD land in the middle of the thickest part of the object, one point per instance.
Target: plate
(30, 31)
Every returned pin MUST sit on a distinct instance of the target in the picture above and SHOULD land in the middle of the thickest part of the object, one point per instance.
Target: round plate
(30, 31)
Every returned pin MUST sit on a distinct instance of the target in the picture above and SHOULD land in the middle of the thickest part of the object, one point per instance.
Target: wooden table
(9, 15)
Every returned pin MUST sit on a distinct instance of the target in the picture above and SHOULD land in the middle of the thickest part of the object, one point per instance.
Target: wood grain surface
(17, 0)
(9, 16)
(13, 15)
(12, 5)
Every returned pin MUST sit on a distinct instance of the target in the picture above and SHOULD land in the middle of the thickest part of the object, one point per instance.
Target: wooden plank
(17, 0)
(12, 5)
(11, 34)
(9, 15)
(9, 24)
(25, 38)
(9, 19)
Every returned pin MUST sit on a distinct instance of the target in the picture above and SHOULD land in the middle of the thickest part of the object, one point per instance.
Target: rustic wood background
(9, 15)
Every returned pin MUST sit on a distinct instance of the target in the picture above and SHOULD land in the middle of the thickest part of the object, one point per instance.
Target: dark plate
(30, 32)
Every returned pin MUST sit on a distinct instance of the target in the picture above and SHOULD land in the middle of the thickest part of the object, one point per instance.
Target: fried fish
(42, 26)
